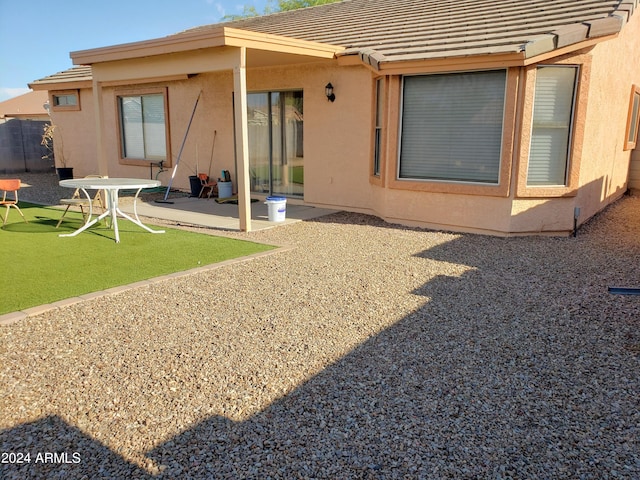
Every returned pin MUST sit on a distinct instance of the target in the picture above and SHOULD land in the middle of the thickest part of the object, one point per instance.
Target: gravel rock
(366, 351)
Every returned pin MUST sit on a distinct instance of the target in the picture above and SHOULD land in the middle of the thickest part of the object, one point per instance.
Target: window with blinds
(452, 127)
(378, 129)
(553, 108)
(633, 121)
(142, 120)
(65, 100)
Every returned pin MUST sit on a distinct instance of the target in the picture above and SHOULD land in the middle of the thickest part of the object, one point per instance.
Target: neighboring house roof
(28, 105)
(401, 30)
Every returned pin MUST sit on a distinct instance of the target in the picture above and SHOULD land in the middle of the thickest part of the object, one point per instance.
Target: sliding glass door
(276, 160)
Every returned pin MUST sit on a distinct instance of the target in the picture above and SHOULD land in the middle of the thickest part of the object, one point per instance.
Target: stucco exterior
(338, 136)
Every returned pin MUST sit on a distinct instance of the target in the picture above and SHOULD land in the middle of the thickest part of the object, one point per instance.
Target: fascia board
(216, 37)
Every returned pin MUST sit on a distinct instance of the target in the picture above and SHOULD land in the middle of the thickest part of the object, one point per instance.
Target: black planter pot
(195, 184)
(65, 173)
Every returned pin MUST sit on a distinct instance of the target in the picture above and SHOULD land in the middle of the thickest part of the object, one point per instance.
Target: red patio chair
(10, 185)
(206, 182)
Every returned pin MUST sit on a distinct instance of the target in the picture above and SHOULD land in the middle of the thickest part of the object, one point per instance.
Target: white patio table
(111, 186)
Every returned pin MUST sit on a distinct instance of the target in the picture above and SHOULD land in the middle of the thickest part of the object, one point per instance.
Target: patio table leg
(135, 212)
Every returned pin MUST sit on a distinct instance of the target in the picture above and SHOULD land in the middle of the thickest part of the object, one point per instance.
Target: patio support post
(103, 168)
(242, 140)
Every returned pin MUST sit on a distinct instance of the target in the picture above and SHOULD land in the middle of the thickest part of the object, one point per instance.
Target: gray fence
(20, 148)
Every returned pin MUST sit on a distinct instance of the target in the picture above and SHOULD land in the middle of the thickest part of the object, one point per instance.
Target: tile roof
(387, 31)
(80, 73)
(399, 30)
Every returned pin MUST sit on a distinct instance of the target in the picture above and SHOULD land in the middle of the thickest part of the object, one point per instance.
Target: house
(22, 121)
(497, 117)
(28, 106)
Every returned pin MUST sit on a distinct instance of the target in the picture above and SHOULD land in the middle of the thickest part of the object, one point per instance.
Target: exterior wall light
(328, 91)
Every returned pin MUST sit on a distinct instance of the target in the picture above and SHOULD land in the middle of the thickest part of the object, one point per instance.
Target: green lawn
(40, 267)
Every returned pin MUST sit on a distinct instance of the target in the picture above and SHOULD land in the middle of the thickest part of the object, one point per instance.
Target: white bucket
(225, 189)
(277, 207)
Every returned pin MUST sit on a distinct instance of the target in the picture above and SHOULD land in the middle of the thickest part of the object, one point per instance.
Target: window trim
(64, 93)
(168, 162)
(578, 128)
(572, 120)
(634, 101)
(502, 188)
(379, 89)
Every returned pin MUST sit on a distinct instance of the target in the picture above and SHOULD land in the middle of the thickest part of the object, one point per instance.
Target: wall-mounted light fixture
(328, 91)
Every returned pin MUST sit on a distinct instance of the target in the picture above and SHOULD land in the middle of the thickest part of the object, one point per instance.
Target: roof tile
(394, 28)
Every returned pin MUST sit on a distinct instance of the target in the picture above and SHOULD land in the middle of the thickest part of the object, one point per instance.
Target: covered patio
(43, 188)
(180, 58)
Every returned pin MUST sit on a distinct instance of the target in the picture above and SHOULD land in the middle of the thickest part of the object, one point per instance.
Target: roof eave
(564, 40)
(217, 36)
(575, 36)
(59, 84)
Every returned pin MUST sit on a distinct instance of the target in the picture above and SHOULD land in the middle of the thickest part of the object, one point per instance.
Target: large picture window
(143, 127)
(452, 127)
(552, 123)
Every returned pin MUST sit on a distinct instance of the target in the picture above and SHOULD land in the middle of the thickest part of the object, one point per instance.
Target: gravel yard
(367, 351)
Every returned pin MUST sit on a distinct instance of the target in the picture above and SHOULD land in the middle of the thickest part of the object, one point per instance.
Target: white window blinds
(452, 127)
(143, 127)
(551, 129)
(632, 134)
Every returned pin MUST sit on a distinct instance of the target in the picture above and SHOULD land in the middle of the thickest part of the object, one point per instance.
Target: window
(143, 130)
(65, 100)
(378, 129)
(553, 109)
(633, 119)
(452, 127)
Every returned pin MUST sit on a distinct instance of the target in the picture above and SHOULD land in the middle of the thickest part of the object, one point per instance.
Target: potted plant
(48, 134)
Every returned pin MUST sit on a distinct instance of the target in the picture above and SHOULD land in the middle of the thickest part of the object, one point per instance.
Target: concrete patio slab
(208, 213)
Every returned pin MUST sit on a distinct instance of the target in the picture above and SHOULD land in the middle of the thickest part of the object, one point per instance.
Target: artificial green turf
(40, 267)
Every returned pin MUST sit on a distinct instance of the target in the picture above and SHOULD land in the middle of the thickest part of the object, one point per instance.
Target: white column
(242, 140)
(103, 166)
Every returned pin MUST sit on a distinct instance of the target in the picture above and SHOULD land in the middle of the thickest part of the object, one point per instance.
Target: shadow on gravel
(463, 387)
(57, 450)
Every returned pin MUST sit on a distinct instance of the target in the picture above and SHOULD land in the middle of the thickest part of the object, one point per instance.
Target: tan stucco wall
(213, 114)
(634, 169)
(335, 159)
(336, 134)
(78, 131)
(605, 163)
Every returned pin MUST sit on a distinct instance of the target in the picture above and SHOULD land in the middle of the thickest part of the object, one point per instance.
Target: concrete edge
(14, 317)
